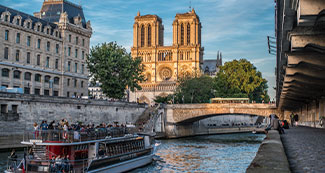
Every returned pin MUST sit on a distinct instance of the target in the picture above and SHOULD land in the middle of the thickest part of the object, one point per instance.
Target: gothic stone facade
(165, 64)
(45, 54)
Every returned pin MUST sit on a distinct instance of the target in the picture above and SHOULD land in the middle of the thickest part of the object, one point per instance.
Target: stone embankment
(271, 156)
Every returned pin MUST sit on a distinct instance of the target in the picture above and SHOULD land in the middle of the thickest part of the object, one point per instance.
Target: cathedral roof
(187, 14)
(148, 16)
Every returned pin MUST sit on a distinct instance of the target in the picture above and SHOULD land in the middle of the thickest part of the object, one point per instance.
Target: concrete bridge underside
(179, 119)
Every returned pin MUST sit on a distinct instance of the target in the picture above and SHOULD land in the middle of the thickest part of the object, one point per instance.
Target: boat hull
(126, 165)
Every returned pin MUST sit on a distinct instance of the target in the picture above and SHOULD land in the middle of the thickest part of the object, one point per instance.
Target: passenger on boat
(36, 130)
(66, 164)
(30, 154)
(58, 163)
(52, 164)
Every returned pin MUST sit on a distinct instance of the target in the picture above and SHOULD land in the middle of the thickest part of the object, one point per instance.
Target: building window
(76, 67)
(76, 53)
(188, 32)
(47, 31)
(69, 51)
(142, 36)
(37, 91)
(38, 43)
(48, 46)
(48, 62)
(182, 34)
(17, 74)
(18, 38)
(38, 28)
(68, 82)
(28, 25)
(82, 84)
(83, 42)
(77, 40)
(28, 76)
(82, 68)
(56, 81)
(83, 54)
(75, 83)
(38, 60)
(28, 41)
(68, 94)
(7, 35)
(28, 58)
(57, 48)
(26, 90)
(70, 38)
(5, 72)
(46, 92)
(56, 63)
(56, 33)
(17, 55)
(38, 78)
(56, 93)
(14, 108)
(69, 65)
(17, 21)
(47, 79)
(6, 18)
(149, 35)
(6, 55)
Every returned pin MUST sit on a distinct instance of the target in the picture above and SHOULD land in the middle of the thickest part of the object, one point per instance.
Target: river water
(214, 153)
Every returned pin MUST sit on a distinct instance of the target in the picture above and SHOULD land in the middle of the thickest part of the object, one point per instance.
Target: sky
(237, 28)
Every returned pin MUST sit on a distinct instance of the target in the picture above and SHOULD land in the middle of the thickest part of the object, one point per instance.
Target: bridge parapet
(187, 113)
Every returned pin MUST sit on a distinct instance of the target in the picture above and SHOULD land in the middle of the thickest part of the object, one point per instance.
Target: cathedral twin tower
(165, 64)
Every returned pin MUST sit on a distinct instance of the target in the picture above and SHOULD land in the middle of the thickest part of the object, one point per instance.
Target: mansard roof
(52, 9)
(25, 17)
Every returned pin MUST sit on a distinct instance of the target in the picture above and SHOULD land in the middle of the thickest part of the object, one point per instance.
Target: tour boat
(97, 151)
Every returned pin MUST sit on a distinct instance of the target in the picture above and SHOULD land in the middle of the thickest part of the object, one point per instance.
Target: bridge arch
(202, 117)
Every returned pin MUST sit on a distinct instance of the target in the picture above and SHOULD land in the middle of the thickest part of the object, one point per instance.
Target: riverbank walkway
(305, 149)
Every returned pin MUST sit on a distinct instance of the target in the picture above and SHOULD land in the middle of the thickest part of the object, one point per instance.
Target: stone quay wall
(20, 111)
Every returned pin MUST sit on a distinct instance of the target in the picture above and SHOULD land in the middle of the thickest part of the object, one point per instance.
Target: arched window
(149, 36)
(28, 76)
(56, 80)
(182, 34)
(188, 32)
(17, 74)
(5, 72)
(47, 79)
(38, 78)
(142, 36)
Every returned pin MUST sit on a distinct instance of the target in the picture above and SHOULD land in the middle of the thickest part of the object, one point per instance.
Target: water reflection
(217, 153)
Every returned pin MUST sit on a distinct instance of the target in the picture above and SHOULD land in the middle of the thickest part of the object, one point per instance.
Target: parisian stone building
(45, 54)
(165, 64)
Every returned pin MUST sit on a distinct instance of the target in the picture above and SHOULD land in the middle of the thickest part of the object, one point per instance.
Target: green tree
(161, 99)
(114, 69)
(241, 79)
(194, 90)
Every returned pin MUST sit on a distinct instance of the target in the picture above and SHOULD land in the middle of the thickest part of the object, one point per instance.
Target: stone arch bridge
(178, 119)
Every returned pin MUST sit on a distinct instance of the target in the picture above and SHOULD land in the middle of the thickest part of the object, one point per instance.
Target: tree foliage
(114, 69)
(241, 79)
(194, 90)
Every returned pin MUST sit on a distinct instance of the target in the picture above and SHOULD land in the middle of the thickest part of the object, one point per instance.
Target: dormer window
(56, 33)
(28, 24)
(47, 31)
(17, 21)
(6, 18)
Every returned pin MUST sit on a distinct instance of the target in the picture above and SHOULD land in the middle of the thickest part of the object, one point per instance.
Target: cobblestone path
(305, 149)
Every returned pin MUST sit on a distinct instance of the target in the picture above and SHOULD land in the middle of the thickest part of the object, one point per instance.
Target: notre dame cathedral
(165, 64)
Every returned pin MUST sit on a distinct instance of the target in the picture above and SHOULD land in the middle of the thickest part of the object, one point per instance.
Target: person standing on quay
(292, 120)
(296, 118)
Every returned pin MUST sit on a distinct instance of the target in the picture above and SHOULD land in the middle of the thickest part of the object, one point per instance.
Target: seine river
(214, 153)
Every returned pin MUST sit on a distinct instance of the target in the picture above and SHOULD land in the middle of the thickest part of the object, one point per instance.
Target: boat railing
(56, 165)
(70, 136)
